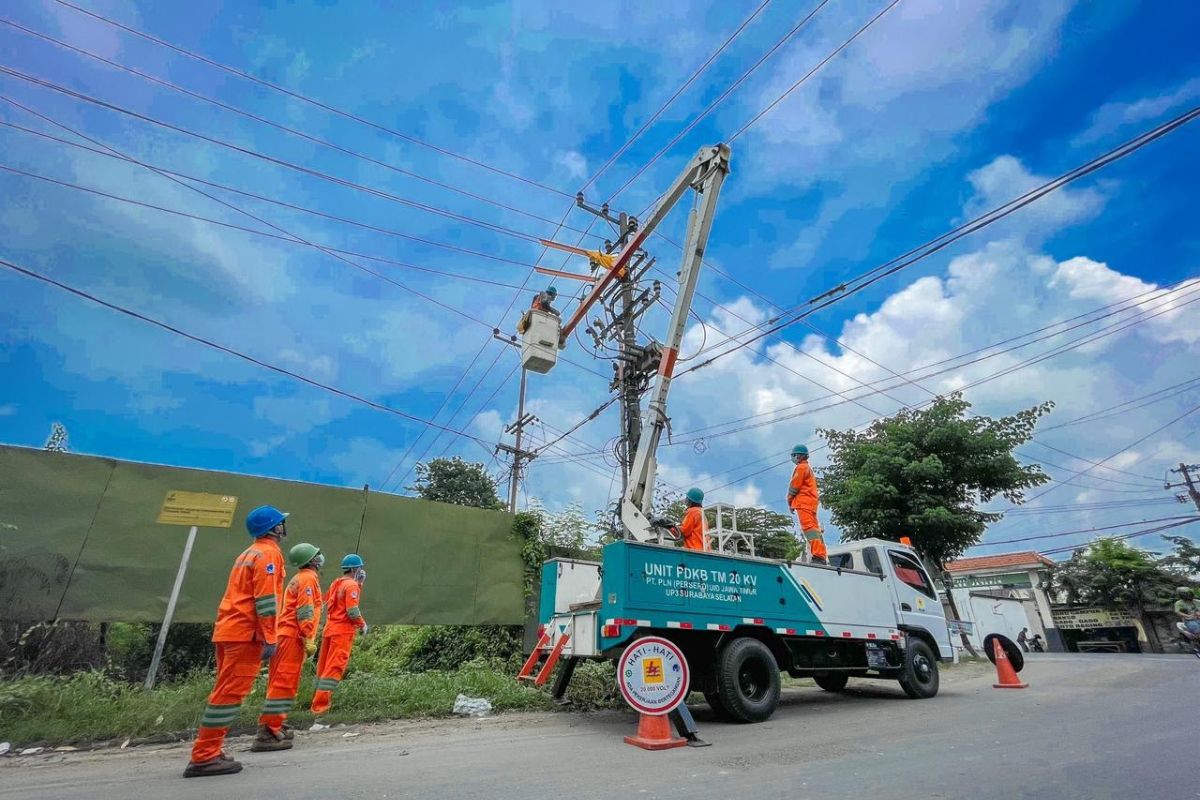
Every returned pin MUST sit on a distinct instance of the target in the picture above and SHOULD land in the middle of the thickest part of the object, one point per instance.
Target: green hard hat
(800, 450)
(695, 495)
(303, 553)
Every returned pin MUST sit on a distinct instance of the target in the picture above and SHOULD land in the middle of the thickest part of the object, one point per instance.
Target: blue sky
(940, 111)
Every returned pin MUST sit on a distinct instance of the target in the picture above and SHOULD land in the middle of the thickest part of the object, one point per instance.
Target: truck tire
(748, 680)
(919, 675)
(833, 682)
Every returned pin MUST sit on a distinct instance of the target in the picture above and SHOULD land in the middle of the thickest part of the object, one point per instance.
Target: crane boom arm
(704, 174)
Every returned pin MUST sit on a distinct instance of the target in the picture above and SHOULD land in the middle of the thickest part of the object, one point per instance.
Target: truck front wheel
(919, 675)
(748, 680)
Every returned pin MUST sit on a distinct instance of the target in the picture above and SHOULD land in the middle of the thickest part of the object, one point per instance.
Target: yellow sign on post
(198, 508)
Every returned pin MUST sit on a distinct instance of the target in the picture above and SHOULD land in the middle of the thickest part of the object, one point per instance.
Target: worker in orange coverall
(802, 498)
(692, 528)
(244, 636)
(343, 619)
(297, 632)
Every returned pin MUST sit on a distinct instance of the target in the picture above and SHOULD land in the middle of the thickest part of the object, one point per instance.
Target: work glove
(269, 651)
(310, 646)
(363, 630)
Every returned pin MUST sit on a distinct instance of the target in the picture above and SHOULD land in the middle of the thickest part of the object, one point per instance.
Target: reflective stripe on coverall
(297, 624)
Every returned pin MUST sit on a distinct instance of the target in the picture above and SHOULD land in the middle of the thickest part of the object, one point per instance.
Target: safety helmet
(1185, 591)
(695, 495)
(302, 554)
(352, 561)
(550, 290)
(263, 520)
(800, 450)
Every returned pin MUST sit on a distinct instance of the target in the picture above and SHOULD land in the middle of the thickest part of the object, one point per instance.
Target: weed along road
(1089, 727)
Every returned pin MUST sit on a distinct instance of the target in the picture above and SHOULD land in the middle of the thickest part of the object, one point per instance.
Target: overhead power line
(682, 88)
(280, 162)
(408, 173)
(891, 267)
(720, 99)
(232, 352)
(1059, 534)
(1135, 534)
(244, 229)
(312, 101)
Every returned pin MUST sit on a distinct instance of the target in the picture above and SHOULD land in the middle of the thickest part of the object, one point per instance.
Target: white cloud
(1005, 178)
(573, 163)
(1113, 118)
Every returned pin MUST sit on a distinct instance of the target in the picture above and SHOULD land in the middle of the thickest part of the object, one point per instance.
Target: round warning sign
(653, 675)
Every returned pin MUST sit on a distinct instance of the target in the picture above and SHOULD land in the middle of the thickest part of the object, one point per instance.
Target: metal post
(515, 478)
(1193, 493)
(152, 675)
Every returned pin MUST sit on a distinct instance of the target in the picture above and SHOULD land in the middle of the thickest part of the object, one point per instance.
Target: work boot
(820, 560)
(267, 740)
(221, 765)
(288, 731)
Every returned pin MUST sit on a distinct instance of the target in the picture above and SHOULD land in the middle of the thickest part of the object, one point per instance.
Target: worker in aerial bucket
(693, 527)
(343, 619)
(802, 498)
(245, 636)
(297, 634)
(544, 301)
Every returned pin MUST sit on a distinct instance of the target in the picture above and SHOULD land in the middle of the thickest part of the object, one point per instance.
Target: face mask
(318, 561)
(361, 576)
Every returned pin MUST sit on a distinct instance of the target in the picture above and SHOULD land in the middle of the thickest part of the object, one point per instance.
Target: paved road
(1090, 727)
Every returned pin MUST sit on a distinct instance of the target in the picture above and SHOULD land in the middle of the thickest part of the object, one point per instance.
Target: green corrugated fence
(79, 541)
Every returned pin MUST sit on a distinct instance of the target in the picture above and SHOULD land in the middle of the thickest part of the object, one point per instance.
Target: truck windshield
(910, 572)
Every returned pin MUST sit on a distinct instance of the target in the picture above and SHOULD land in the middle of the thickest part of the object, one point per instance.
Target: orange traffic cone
(654, 733)
(1006, 676)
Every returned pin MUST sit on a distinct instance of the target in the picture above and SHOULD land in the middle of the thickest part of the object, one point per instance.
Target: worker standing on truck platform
(297, 633)
(244, 635)
(343, 619)
(802, 498)
(543, 301)
(693, 527)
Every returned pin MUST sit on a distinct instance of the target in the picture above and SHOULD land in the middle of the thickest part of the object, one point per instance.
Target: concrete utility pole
(634, 364)
(1186, 471)
(520, 457)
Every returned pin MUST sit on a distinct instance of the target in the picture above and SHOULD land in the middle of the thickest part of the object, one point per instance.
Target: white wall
(991, 615)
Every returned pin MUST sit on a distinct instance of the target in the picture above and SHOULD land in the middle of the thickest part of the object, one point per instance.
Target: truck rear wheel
(833, 682)
(919, 675)
(748, 680)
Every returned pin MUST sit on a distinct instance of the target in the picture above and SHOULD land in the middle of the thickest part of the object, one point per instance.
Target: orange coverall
(297, 624)
(245, 622)
(342, 620)
(692, 528)
(802, 498)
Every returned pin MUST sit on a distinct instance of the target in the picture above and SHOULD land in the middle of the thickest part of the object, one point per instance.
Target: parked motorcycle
(1036, 645)
(1188, 639)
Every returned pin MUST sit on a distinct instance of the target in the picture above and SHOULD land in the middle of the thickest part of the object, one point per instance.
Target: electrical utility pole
(519, 457)
(635, 364)
(1193, 493)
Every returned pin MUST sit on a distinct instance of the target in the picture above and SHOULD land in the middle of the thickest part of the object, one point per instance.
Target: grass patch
(92, 707)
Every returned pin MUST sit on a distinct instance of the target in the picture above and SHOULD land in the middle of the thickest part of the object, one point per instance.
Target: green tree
(1111, 574)
(453, 480)
(1185, 558)
(922, 473)
(773, 537)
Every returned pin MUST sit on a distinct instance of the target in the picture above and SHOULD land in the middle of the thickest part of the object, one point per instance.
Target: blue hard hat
(800, 450)
(352, 561)
(263, 520)
(696, 495)
(552, 291)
